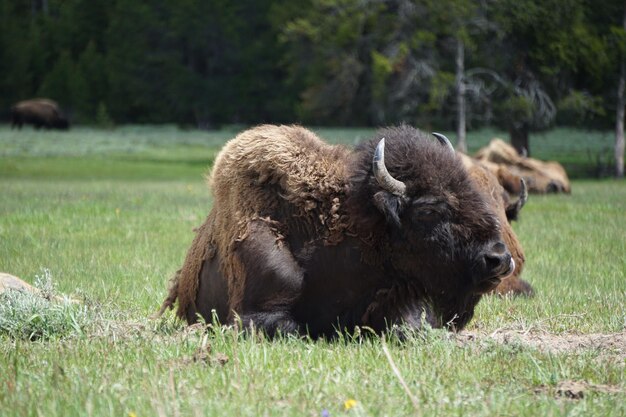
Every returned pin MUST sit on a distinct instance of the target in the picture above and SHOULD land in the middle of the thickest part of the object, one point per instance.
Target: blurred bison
(307, 237)
(541, 177)
(507, 209)
(39, 112)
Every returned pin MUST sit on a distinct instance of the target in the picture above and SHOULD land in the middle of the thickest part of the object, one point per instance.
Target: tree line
(522, 65)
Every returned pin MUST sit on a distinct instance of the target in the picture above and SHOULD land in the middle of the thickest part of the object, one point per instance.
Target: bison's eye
(428, 213)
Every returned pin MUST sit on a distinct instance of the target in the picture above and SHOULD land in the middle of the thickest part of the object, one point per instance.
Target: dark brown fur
(39, 112)
(302, 238)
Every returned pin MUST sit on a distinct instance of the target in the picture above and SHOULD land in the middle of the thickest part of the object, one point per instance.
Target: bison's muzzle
(495, 264)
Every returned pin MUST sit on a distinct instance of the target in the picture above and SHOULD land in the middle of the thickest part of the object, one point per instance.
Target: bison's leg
(273, 280)
(16, 122)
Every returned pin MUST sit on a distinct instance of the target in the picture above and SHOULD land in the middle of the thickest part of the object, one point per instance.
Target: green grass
(168, 152)
(111, 224)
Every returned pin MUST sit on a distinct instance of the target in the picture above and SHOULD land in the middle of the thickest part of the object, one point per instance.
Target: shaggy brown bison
(39, 112)
(541, 177)
(507, 211)
(306, 237)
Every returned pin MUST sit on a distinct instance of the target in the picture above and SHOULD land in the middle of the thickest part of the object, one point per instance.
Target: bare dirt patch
(606, 344)
(576, 390)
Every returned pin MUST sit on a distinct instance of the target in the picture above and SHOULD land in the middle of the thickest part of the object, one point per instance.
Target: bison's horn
(383, 176)
(523, 194)
(444, 141)
(512, 211)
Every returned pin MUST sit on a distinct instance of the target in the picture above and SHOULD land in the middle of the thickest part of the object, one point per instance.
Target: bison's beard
(457, 312)
(406, 305)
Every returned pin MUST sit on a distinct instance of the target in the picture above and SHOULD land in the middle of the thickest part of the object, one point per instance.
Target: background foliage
(349, 62)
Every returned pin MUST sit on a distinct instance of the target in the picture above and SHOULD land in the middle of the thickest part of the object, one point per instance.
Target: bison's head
(441, 234)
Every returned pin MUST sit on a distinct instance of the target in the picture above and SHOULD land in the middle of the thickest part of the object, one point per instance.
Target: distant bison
(507, 209)
(39, 112)
(540, 176)
(309, 238)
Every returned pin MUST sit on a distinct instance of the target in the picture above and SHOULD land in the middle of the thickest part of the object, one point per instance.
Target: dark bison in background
(306, 237)
(39, 112)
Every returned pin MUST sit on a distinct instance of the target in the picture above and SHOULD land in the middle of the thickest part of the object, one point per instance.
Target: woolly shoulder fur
(272, 174)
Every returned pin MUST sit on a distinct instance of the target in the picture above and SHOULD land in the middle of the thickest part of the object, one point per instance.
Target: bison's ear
(390, 205)
(512, 210)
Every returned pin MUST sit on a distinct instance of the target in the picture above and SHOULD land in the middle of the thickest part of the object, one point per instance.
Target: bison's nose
(497, 263)
(498, 259)
(554, 187)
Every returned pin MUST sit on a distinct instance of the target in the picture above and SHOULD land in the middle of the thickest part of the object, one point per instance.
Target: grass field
(110, 215)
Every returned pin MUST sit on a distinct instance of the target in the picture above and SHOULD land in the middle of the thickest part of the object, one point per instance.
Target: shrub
(33, 316)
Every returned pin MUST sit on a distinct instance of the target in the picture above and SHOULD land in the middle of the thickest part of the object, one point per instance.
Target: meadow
(108, 217)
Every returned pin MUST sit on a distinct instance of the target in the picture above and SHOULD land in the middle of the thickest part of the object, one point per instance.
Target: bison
(540, 176)
(495, 187)
(39, 112)
(310, 238)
